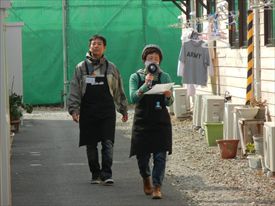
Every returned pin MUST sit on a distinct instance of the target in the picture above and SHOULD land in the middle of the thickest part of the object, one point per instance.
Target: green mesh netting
(127, 25)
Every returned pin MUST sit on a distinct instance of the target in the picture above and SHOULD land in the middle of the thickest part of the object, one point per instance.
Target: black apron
(97, 111)
(152, 130)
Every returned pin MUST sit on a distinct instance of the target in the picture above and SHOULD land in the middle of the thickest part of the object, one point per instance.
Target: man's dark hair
(97, 36)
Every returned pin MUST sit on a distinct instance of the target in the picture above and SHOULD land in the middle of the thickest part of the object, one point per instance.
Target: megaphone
(152, 68)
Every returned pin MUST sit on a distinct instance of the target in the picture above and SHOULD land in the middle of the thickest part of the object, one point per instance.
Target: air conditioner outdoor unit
(171, 108)
(181, 103)
(213, 109)
(269, 145)
(228, 120)
(197, 110)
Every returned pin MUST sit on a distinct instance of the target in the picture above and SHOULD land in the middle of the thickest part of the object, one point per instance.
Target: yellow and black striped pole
(250, 60)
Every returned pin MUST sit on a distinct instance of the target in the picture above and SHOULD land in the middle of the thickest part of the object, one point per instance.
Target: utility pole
(250, 56)
(5, 171)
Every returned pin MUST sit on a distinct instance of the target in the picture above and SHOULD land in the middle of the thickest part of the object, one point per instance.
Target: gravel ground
(198, 171)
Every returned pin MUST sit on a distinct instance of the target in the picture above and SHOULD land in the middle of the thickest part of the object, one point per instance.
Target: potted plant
(228, 148)
(17, 106)
(250, 148)
(261, 104)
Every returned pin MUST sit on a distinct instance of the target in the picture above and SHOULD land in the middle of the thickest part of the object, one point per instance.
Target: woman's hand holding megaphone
(149, 79)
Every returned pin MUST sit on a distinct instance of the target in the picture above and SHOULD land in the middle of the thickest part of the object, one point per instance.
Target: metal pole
(250, 59)
(144, 20)
(65, 60)
(5, 172)
(257, 51)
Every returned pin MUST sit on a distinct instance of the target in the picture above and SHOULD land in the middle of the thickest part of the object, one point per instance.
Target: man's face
(97, 48)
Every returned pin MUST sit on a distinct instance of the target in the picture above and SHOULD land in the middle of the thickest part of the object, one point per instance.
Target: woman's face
(153, 57)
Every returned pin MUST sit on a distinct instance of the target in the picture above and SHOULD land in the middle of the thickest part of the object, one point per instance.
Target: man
(95, 91)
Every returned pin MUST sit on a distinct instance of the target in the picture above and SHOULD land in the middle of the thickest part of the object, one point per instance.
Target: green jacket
(134, 83)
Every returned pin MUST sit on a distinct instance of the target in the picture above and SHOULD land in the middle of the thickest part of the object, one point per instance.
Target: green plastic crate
(213, 132)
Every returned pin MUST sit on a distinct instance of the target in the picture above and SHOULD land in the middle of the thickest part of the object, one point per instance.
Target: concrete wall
(5, 173)
(14, 56)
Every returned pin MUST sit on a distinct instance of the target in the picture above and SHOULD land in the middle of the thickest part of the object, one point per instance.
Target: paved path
(49, 169)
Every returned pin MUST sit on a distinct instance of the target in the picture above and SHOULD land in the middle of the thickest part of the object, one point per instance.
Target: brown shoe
(147, 186)
(157, 193)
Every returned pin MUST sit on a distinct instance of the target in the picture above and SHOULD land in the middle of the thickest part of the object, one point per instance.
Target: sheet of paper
(160, 88)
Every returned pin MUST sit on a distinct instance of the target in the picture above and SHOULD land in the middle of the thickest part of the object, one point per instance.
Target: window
(200, 12)
(269, 26)
(211, 7)
(238, 30)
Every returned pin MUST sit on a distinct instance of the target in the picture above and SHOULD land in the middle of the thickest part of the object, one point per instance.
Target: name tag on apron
(90, 80)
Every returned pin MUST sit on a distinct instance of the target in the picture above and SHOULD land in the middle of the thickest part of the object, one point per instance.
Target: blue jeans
(159, 163)
(107, 160)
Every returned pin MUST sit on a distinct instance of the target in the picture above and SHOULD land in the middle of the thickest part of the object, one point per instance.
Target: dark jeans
(159, 163)
(107, 160)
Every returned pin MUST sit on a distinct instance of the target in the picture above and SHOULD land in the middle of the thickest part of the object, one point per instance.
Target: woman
(152, 131)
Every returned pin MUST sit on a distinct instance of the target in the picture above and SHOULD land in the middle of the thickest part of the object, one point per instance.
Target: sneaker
(95, 181)
(108, 182)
